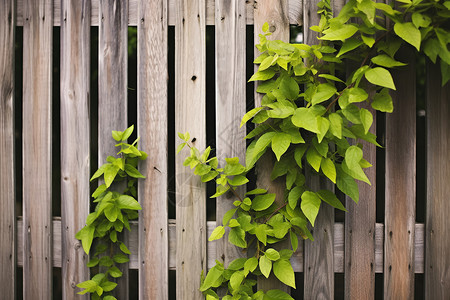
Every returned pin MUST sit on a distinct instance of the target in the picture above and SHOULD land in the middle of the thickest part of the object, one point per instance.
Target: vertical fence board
(37, 149)
(75, 80)
(190, 115)
(401, 185)
(112, 93)
(7, 195)
(275, 13)
(152, 122)
(437, 266)
(360, 230)
(230, 103)
(318, 255)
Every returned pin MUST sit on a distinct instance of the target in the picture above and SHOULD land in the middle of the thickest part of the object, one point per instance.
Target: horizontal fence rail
(297, 258)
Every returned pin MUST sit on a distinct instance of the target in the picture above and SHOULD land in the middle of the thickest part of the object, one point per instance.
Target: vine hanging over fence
(310, 117)
(112, 213)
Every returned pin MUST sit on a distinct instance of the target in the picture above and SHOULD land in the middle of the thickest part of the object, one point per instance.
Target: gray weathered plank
(360, 230)
(230, 103)
(7, 181)
(295, 12)
(400, 195)
(152, 126)
(112, 93)
(437, 268)
(318, 255)
(75, 137)
(37, 149)
(296, 259)
(276, 14)
(190, 115)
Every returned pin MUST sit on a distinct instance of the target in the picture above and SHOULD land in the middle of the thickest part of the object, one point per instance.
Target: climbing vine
(310, 117)
(112, 213)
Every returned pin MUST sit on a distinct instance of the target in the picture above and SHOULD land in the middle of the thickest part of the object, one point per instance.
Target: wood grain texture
(230, 104)
(437, 268)
(37, 149)
(190, 115)
(276, 14)
(318, 256)
(360, 231)
(75, 137)
(296, 259)
(7, 150)
(400, 195)
(295, 12)
(152, 127)
(112, 94)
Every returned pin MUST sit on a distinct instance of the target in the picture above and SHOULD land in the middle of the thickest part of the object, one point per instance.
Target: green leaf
(238, 180)
(340, 33)
(117, 135)
(110, 173)
(108, 286)
(272, 254)
(284, 272)
(217, 233)
(266, 63)
(310, 206)
(227, 216)
(330, 77)
(289, 87)
(314, 158)
(357, 95)
(353, 156)
(265, 27)
(366, 119)
(386, 61)
(324, 92)
(330, 198)
(212, 276)
(262, 75)
(133, 172)
(304, 118)
(336, 123)
(250, 115)
(237, 237)
(109, 297)
(380, 76)
(409, 33)
(126, 134)
(128, 202)
(368, 40)
(328, 169)
(262, 202)
(237, 264)
(280, 144)
(115, 272)
(349, 45)
(236, 279)
(261, 234)
(420, 20)
(250, 265)
(298, 154)
(265, 265)
(294, 240)
(277, 295)
(99, 172)
(382, 101)
(294, 195)
(86, 235)
(367, 7)
(92, 262)
(124, 248)
(120, 258)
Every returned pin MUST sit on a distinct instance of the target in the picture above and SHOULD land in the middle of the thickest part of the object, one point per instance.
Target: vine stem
(234, 192)
(276, 210)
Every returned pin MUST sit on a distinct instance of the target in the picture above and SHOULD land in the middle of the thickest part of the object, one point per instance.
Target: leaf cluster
(111, 215)
(312, 117)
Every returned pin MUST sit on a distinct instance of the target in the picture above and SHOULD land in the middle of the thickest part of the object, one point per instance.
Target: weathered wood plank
(401, 185)
(230, 103)
(190, 115)
(296, 259)
(37, 149)
(437, 274)
(318, 255)
(360, 231)
(276, 14)
(112, 93)
(75, 145)
(295, 12)
(7, 171)
(152, 125)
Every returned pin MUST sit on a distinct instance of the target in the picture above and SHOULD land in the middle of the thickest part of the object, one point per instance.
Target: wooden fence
(34, 240)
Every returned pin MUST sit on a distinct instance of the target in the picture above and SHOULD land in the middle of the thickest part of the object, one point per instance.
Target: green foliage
(112, 213)
(312, 118)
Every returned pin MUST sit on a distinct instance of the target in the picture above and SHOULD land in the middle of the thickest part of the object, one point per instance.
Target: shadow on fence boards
(394, 244)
